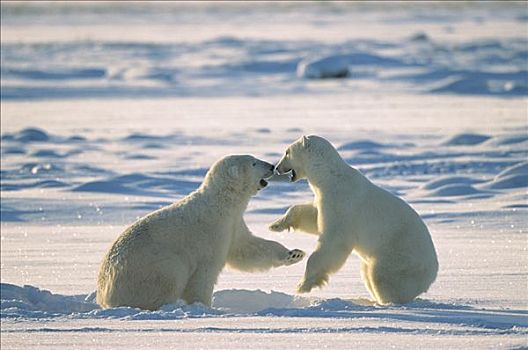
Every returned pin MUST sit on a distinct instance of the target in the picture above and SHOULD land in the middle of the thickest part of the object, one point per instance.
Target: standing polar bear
(350, 213)
(178, 252)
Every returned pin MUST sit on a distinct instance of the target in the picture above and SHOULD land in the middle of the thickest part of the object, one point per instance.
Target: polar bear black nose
(272, 167)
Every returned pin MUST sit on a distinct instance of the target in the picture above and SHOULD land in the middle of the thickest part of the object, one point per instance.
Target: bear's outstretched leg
(329, 256)
(302, 217)
(252, 253)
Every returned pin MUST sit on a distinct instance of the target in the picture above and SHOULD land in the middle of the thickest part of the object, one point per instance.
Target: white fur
(350, 213)
(177, 252)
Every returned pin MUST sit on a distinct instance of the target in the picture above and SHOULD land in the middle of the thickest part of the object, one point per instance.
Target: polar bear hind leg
(200, 286)
(395, 284)
(366, 279)
(148, 292)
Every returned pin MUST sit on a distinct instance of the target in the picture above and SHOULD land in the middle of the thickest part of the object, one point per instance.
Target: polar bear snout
(271, 170)
(282, 170)
(283, 166)
(268, 171)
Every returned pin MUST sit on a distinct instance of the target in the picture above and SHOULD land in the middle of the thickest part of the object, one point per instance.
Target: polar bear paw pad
(294, 256)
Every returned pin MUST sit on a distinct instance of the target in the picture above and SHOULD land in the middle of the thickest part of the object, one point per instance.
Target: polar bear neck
(229, 194)
(323, 169)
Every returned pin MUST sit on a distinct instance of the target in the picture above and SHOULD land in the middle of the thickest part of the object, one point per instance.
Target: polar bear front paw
(279, 226)
(303, 288)
(307, 285)
(294, 256)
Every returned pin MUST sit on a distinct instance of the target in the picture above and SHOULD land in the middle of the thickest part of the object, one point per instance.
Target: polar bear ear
(304, 141)
(233, 171)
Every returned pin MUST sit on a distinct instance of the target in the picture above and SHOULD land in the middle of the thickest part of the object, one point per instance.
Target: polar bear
(350, 213)
(178, 251)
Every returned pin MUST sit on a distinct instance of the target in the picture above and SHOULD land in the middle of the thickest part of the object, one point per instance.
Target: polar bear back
(159, 226)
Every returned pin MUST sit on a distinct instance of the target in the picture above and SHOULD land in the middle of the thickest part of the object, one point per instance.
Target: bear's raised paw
(294, 256)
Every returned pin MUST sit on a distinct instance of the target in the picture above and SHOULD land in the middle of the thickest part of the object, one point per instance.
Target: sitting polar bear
(350, 213)
(177, 252)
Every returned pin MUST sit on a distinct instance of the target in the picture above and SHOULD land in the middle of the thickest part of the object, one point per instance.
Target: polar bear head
(306, 154)
(240, 174)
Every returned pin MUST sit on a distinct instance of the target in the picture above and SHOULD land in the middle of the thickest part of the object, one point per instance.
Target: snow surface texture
(102, 124)
(445, 61)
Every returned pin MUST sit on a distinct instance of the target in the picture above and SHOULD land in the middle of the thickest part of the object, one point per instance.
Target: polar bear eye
(254, 164)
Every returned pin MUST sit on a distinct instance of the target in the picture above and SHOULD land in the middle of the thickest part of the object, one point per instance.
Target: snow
(103, 124)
